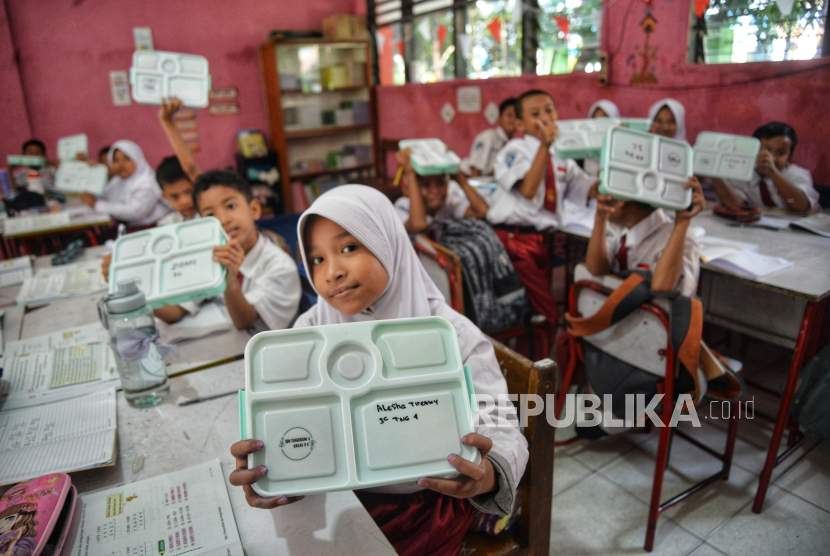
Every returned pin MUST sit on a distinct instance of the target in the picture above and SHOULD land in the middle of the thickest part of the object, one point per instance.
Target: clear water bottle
(134, 339)
(35, 184)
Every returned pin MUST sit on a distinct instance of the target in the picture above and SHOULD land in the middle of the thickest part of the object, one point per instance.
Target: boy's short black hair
(507, 103)
(224, 178)
(170, 171)
(775, 129)
(36, 142)
(523, 96)
(105, 151)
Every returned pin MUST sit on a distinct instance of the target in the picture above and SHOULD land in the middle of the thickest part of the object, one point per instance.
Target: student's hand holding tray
(358, 405)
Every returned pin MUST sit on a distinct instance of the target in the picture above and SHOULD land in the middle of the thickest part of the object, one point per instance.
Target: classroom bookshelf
(321, 113)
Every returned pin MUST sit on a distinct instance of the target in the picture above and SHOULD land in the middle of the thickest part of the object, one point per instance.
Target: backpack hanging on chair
(490, 281)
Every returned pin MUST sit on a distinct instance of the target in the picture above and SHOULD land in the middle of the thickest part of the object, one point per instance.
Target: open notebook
(736, 257)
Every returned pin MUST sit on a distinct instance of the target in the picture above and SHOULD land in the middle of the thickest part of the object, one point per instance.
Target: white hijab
(607, 106)
(369, 216)
(143, 171)
(676, 109)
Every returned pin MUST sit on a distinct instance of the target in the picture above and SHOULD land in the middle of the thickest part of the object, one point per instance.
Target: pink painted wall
(733, 98)
(14, 121)
(67, 49)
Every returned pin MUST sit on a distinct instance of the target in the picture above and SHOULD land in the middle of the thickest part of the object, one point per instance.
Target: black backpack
(494, 296)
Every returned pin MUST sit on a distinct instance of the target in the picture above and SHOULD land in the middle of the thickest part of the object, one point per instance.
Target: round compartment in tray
(350, 365)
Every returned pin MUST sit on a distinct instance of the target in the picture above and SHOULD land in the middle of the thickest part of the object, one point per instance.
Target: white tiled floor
(602, 489)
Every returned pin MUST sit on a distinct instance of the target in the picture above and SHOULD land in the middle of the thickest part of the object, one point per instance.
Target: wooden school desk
(170, 437)
(785, 308)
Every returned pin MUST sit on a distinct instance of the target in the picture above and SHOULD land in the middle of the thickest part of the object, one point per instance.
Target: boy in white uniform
(431, 200)
(776, 181)
(489, 142)
(629, 235)
(533, 182)
(263, 286)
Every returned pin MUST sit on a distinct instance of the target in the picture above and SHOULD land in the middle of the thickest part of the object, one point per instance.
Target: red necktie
(240, 278)
(766, 198)
(550, 187)
(622, 255)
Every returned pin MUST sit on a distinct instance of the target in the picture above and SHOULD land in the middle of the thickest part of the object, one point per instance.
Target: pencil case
(171, 264)
(582, 138)
(155, 75)
(37, 515)
(725, 156)
(358, 405)
(746, 214)
(639, 166)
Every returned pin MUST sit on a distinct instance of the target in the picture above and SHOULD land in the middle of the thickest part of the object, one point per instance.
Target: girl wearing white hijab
(608, 108)
(600, 109)
(363, 267)
(668, 118)
(132, 194)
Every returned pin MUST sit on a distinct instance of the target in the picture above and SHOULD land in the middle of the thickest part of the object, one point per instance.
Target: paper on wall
(469, 99)
(143, 37)
(58, 437)
(120, 87)
(187, 511)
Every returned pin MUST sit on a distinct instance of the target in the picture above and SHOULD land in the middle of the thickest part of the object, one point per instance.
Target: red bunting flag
(400, 48)
(442, 34)
(563, 23)
(495, 28)
(700, 7)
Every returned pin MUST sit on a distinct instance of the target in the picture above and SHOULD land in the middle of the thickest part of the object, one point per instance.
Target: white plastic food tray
(69, 147)
(639, 166)
(721, 155)
(357, 405)
(430, 157)
(171, 264)
(156, 75)
(74, 176)
(582, 138)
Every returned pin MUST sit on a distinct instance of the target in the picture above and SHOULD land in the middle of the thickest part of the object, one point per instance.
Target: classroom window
(738, 31)
(433, 48)
(437, 40)
(569, 36)
(492, 45)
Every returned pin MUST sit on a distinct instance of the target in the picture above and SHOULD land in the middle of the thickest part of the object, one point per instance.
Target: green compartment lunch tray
(582, 138)
(639, 124)
(155, 75)
(358, 405)
(171, 264)
(23, 160)
(639, 166)
(721, 155)
(430, 157)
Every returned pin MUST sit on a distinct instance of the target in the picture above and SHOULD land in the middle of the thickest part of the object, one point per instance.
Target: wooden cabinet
(321, 112)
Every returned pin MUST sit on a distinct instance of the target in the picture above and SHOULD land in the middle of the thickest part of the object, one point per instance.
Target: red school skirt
(424, 523)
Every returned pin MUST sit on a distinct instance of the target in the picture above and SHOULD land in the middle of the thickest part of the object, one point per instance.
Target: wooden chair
(444, 267)
(526, 377)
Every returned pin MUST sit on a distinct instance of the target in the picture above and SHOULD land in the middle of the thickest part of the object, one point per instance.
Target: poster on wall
(143, 37)
(120, 86)
(469, 100)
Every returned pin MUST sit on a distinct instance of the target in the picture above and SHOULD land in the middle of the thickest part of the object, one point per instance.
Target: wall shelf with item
(319, 102)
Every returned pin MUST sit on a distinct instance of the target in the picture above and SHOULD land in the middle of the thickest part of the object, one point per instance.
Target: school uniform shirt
(645, 242)
(455, 205)
(367, 214)
(486, 146)
(796, 175)
(509, 206)
(271, 283)
(136, 199)
(174, 217)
